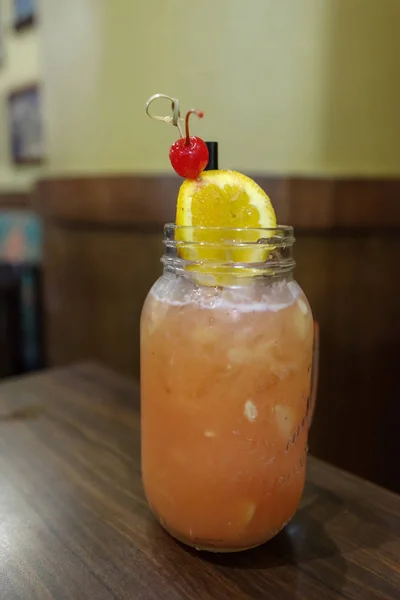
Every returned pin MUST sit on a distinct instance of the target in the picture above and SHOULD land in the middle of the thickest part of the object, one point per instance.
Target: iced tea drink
(225, 378)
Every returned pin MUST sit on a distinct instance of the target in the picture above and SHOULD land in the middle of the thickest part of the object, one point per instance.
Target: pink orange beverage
(226, 355)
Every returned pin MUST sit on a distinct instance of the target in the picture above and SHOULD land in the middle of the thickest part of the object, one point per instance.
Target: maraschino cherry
(189, 155)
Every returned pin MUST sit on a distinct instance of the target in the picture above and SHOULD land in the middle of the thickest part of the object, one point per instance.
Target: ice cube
(209, 433)
(250, 411)
(285, 419)
(248, 513)
(243, 512)
(156, 315)
(303, 306)
(301, 319)
(204, 335)
(240, 355)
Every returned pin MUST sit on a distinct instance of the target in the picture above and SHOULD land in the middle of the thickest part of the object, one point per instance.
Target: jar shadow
(317, 545)
(306, 537)
(296, 558)
(303, 539)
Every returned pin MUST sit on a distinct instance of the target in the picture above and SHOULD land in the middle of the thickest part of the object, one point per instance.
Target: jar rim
(189, 235)
(250, 251)
(286, 230)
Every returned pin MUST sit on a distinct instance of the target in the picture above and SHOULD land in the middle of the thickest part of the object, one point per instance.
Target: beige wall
(308, 86)
(19, 67)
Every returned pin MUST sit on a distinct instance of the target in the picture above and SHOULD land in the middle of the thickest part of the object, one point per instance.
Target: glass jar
(226, 355)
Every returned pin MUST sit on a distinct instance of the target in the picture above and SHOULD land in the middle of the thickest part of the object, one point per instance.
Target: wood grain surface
(75, 524)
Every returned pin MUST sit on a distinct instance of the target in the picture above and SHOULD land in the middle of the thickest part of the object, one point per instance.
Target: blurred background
(303, 96)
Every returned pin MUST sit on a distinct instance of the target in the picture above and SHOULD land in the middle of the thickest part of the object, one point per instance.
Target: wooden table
(74, 523)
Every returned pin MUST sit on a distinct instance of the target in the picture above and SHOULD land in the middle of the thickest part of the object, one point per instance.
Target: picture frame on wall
(26, 125)
(24, 13)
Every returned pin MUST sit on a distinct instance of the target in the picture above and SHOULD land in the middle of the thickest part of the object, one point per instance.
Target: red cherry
(189, 155)
(189, 160)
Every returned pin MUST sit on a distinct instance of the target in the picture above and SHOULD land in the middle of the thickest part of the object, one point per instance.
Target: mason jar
(226, 358)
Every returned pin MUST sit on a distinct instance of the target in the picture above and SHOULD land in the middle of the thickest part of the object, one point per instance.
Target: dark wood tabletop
(74, 523)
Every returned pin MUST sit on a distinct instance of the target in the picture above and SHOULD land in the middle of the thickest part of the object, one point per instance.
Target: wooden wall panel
(102, 249)
(95, 284)
(15, 200)
(351, 284)
(148, 201)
